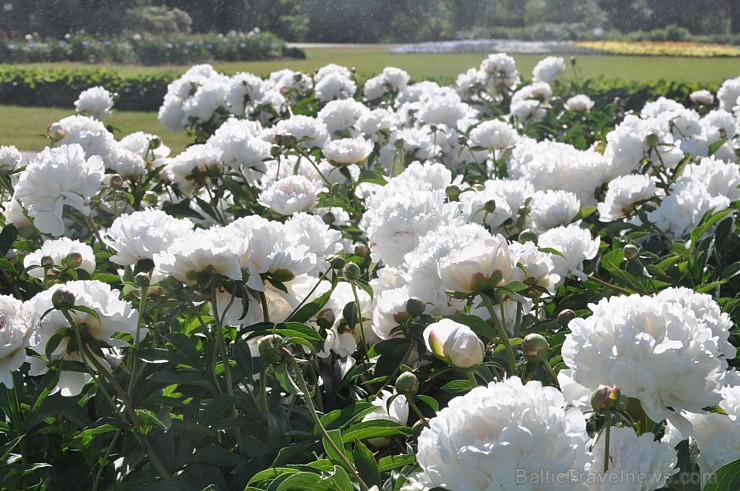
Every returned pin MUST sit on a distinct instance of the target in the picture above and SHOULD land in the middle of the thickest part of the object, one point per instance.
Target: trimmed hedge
(37, 87)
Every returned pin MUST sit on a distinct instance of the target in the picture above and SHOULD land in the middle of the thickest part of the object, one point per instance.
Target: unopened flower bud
(401, 317)
(47, 261)
(452, 192)
(479, 282)
(116, 181)
(527, 236)
(565, 316)
(56, 132)
(362, 251)
(337, 262)
(63, 300)
(489, 206)
(282, 275)
(326, 318)
(271, 348)
(141, 280)
(155, 143)
(73, 260)
(419, 427)
(407, 384)
(573, 61)
(415, 306)
(328, 218)
(455, 343)
(351, 271)
(652, 140)
(605, 397)
(536, 347)
(631, 252)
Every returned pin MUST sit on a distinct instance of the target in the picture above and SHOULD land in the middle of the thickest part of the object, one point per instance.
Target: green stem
(550, 371)
(310, 160)
(470, 374)
(616, 288)
(606, 440)
(502, 334)
(104, 461)
(128, 407)
(263, 302)
(15, 409)
(321, 278)
(415, 408)
(222, 343)
(359, 319)
(137, 337)
(307, 396)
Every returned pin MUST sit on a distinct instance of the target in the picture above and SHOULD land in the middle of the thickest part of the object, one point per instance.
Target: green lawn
(23, 127)
(370, 60)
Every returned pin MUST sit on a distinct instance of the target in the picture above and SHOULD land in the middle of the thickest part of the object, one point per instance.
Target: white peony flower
(347, 151)
(548, 70)
(142, 234)
(212, 252)
(58, 177)
(703, 97)
(10, 159)
(502, 437)
(728, 94)
(623, 194)
(90, 134)
(58, 250)
(478, 266)
(333, 86)
(656, 351)
(309, 132)
(635, 463)
(17, 324)
(113, 315)
(575, 244)
(290, 195)
(95, 101)
(494, 135)
(550, 209)
(580, 103)
(397, 411)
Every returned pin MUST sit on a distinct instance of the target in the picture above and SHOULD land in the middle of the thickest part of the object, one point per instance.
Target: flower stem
(415, 408)
(470, 374)
(222, 342)
(359, 318)
(137, 338)
(307, 396)
(502, 334)
(550, 371)
(606, 440)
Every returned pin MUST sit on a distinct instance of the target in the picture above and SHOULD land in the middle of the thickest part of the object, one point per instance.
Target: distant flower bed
(661, 48)
(147, 49)
(378, 285)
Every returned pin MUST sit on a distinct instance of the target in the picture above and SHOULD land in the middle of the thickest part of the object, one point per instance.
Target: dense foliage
(394, 286)
(147, 49)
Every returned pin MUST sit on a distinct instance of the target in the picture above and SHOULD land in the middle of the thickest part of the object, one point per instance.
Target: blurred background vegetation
(388, 21)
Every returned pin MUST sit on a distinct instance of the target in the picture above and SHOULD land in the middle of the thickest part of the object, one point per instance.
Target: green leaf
(341, 479)
(374, 429)
(339, 417)
(715, 146)
(7, 237)
(335, 455)
(725, 479)
(707, 222)
(457, 386)
(310, 309)
(366, 465)
(429, 401)
(286, 380)
(372, 176)
(350, 314)
(395, 461)
(303, 480)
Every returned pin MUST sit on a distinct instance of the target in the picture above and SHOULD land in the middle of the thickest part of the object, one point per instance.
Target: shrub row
(38, 87)
(147, 49)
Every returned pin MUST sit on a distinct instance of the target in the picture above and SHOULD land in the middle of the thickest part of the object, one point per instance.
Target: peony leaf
(366, 465)
(725, 479)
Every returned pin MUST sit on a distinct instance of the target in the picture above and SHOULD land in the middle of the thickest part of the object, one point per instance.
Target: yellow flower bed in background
(661, 48)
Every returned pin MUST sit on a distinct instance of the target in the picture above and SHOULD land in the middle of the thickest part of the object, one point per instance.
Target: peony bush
(395, 285)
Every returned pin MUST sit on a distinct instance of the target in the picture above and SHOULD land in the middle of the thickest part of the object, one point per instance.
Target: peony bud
(455, 344)
(631, 252)
(282, 275)
(415, 306)
(362, 251)
(652, 140)
(605, 397)
(328, 218)
(142, 280)
(452, 192)
(536, 347)
(351, 271)
(73, 260)
(326, 318)
(407, 384)
(565, 316)
(337, 262)
(489, 206)
(63, 300)
(271, 348)
(47, 261)
(116, 181)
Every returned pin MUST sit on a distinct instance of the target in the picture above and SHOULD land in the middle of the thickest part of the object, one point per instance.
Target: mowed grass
(24, 127)
(371, 59)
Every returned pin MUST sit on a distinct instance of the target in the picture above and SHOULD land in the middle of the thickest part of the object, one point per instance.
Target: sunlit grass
(25, 127)
(370, 60)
